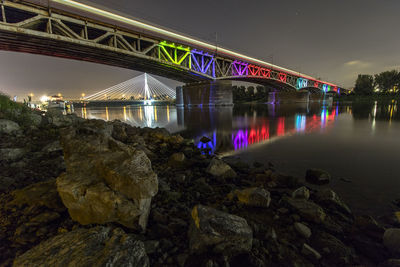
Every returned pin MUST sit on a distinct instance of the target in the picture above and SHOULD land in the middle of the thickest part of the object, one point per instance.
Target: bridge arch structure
(70, 29)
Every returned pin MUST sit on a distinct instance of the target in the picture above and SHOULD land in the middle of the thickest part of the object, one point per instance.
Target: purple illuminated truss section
(203, 62)
(239, 68)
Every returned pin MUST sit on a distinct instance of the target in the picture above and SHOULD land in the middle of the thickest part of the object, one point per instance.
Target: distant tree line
(251, 93)
(384, 82)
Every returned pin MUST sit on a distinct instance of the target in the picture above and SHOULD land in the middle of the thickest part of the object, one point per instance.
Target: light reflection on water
(359, 141)
(228, 131)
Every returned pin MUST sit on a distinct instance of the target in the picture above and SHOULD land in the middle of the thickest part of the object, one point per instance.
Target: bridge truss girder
(55, 33)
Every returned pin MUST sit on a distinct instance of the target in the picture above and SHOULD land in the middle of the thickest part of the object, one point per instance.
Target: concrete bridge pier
(209, 93)
(288, 97)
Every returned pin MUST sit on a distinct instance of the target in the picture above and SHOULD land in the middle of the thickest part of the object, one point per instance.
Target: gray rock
(329, 197)
(222, 232)
(301, 192)
(219, 168)
(56, 117)
(5, 182)
(391, 240)
(302, 229)
(338, 250)
(99, 246)
(181, 259)
(310, 252)
(176, 160)
(106, 180)
(9, 127)
(151, 246)
(11, 153)
(52, 147)
(308, 210)
(317, 176)
(255, 197)
(35, 119)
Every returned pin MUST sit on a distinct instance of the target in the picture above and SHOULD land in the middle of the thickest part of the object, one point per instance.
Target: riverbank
(144, 197)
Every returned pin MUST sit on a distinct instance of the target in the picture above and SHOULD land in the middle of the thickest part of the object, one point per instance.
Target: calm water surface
(359, 142)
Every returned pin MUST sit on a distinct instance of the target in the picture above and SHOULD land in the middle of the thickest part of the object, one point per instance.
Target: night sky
(334, 40)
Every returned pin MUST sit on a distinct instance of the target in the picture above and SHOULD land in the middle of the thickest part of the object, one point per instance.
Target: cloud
(357, 64)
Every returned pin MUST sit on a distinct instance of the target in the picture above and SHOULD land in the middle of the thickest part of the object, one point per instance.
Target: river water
(359, 144)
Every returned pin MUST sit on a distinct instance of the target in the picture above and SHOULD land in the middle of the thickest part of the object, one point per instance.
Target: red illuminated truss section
(282, 77)
(258, 71)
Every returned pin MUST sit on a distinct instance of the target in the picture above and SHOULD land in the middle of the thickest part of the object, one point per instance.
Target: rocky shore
(93, 193)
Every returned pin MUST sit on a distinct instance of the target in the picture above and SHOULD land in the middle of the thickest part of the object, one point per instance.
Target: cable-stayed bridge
(143, 87)
(70, 29)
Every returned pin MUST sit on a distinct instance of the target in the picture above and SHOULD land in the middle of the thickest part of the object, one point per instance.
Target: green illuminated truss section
(177, 54)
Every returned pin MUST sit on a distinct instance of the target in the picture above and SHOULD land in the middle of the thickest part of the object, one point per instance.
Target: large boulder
(254, 196)
(106, 180)
(9, 127)
(219, 168)
(391, 240)
(99, 246)
(307, 209)
(317, 176)
(218, 231)
(58, 119)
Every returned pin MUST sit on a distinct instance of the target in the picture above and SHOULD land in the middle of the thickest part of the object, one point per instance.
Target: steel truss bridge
(69, 29)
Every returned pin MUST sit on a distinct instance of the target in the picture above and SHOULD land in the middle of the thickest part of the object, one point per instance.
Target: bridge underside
(41, 30)
(10, 41)
(270, 84)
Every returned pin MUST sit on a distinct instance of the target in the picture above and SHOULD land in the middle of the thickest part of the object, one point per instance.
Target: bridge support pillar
(210, 93)
(288, 97)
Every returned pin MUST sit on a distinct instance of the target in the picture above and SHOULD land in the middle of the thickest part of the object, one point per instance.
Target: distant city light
(44, 98)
